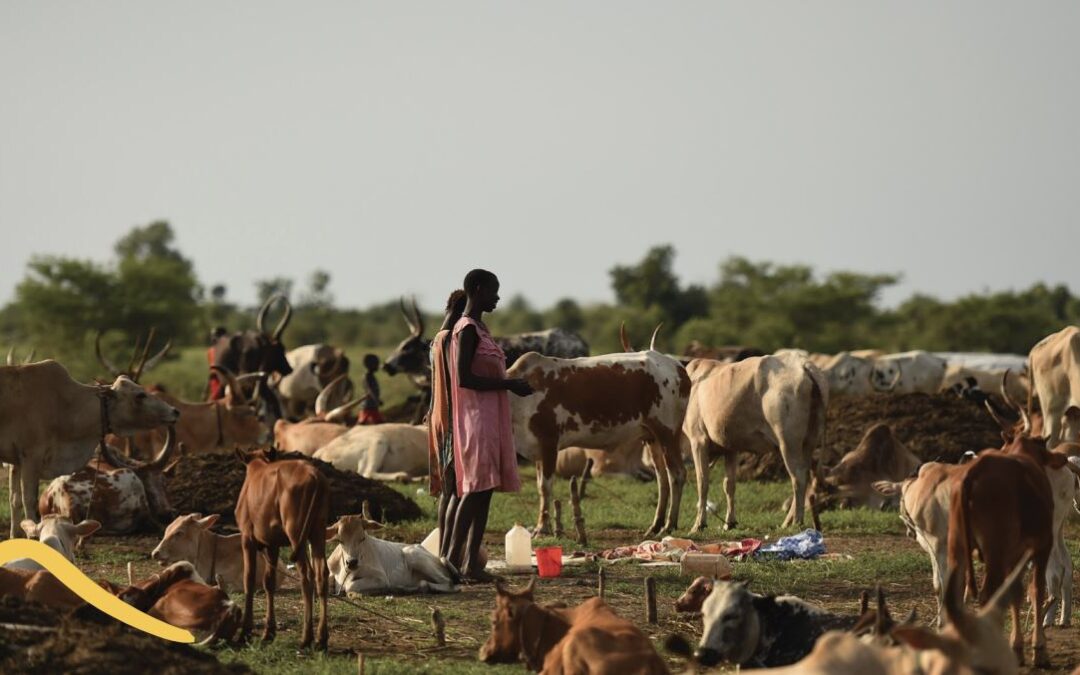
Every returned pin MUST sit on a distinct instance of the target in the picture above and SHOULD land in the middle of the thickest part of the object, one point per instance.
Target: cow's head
(508, 619)
(411, 356)
(885, 375)
(694, 596)
(151, 473)
(849, 374)
(139, 363)
(129, 409)
(267, 352)
(57, 532)
(241, 420)
(328, 364)
(182, 538)
(351, 532)
(732, 627)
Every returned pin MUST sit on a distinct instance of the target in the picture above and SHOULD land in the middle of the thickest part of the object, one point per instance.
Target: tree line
(62, 302)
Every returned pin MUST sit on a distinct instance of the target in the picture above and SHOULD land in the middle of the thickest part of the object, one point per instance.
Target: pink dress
(484, 456)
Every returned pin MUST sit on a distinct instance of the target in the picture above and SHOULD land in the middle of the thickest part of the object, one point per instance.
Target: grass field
(864, 548)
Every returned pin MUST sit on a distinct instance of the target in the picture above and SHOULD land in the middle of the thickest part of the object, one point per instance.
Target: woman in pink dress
(484, 457)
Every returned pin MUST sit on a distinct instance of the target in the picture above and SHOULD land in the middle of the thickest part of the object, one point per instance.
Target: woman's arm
(467, 343)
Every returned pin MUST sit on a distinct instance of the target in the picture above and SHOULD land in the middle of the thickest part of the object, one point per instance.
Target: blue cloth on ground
(806, 545)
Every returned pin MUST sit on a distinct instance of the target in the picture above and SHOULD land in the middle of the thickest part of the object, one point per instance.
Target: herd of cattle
(638, 411)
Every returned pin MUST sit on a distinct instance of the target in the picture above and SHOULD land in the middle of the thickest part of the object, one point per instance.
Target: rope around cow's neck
(106, 428)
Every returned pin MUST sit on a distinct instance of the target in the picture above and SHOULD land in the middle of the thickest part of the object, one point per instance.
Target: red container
(549, 561)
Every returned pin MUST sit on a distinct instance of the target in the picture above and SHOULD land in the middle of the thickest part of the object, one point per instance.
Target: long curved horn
(116, 459)
(233, 391)
(408, 319)
(1005, 390)
(1003, 423)
(652, 340)
(285, 318)
(11, 356)
(105, 363)
(418, 317)
(322, 401)
(260, 320)
(167, 450)
(340, 413)
(1026, 419)
(626, 347)
(29, 357)
(134, 356)
(149, 364)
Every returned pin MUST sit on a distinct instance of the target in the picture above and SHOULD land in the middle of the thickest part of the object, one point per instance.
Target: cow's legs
(270, 586)
(663, 488)
(248, 548)
(676, 471)
(1039, 656)
(1059, 590)
(731, 465)
(798, 469)
(1052, 427)
(545, 467)
(28, 494)
(318, 563)
(15, 501)
(303, 567)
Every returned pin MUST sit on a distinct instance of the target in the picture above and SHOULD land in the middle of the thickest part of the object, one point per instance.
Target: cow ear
(921, 638)
(87, 528)
(332, 531)
(372, 524)
(30, 528)
(207, 522)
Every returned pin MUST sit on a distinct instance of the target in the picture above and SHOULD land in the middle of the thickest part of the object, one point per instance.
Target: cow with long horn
(310, 434)
(314, 366)
(139, 363)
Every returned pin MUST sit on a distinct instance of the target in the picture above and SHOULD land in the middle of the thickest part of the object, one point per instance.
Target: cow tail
(959, 543)
(305, 529)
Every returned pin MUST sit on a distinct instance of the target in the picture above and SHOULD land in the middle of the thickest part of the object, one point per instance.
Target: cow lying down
(759, 631)
(365, 565)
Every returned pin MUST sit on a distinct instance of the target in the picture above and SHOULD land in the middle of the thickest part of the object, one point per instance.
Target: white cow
(908, 373)
(386, 452)
(1055, 375)
(57, 533)
(848, 374)
(364, 564)
(313, 367)
(989, 381)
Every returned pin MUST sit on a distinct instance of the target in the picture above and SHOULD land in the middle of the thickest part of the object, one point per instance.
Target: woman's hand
(519, 386)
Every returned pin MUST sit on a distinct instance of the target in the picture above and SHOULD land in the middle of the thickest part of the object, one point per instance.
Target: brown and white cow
(879, 456)
(284, 503)
(217, 557)
(50, 425)
(762, 404)
(179, 597)
(1055, 379)
(589, 638)
(603, 402)
(128, 494)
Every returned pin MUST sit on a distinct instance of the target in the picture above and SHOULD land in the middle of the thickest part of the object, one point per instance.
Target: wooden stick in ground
(559, 531)
(650, 600)
(131, 581)
(579, 520)
(439, 624)
(585, 476)
(360, 664)
(602, 584)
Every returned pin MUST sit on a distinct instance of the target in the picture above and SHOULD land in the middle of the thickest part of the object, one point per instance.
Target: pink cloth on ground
(484, 456)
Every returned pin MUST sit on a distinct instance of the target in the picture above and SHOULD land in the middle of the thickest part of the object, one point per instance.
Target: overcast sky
(399, 144)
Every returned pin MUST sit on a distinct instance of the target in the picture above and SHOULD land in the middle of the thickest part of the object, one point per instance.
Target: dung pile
(36, 639)
(936, 427)
(211, 483)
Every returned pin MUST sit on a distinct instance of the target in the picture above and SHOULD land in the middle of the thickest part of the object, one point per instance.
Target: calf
(879, 456)
(367, 565)
(1001, 506)
(217, 557)
(284, 503)
(694, 596)
(37, 586)
(127, 493)
(56, 532)
(589, 638)
(756, 631)
(386, 452)
(179, 596)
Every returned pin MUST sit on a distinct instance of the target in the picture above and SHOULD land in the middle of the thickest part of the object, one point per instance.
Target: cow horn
(405, 313)
(30, 357)
(134, 356)
(322, 401)
(418, 317)
(1004, 424)
(285, 318)
(149, 364)
(116, 459)
(167, 450)
(626, 347)
(1026, 418)
(337, 415)
(1005, 390)
(105, 363)
(233, 392)
(652, 340)
(880, 625)
(11, 356)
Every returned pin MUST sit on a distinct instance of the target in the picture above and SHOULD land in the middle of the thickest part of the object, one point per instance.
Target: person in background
(484, 457)
(369, 409)
(441, 480)
(214, 388)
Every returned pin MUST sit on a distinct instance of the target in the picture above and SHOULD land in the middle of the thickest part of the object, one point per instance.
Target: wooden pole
(579, 520)
(131, 581)
(559, 531)
(360, 664)
(602, 590)
(439, 624)
(650, 600)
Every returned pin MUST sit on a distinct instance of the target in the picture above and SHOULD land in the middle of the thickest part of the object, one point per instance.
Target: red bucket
(549, 561)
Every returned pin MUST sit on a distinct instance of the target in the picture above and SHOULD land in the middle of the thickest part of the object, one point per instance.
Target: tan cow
(628, 459)
(603, 402)
(217, 557)
(50, 425)
(38, 586)
(1055, 379)
(762, 404)
(387, 452)
(56, 532)
(589, 638)
(284, 503)
(879, 456)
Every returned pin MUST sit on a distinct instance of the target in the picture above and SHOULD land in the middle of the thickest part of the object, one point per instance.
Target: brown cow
(284, 503)
(38, 586)
(179, 596)
(879, 456)
(1002, 506)
(589, 638)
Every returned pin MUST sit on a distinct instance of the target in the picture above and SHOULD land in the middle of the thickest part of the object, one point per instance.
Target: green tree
(652, 283)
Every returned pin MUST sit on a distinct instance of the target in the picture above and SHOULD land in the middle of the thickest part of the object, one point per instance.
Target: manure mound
(211, 483)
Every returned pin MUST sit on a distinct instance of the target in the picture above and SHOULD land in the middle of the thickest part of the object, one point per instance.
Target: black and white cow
(756, 631)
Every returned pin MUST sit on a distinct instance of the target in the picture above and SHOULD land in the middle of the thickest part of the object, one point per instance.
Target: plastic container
(706, 564)
(431, 543)
(549, 561)
(518, 549)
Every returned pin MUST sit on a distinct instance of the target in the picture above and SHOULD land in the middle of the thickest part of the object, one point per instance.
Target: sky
(400, 144)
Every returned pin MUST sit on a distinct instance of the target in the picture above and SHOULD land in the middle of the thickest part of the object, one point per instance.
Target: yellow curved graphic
(81, 585)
